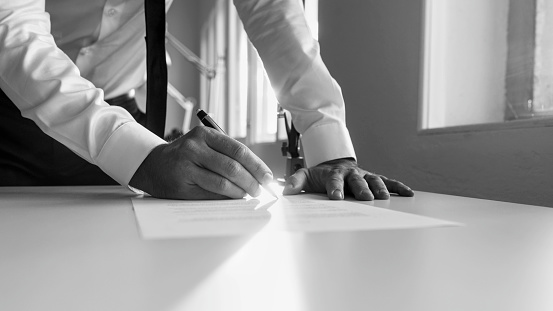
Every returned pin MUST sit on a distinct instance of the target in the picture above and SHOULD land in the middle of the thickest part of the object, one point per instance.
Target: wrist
(340, 160)
(144, 176)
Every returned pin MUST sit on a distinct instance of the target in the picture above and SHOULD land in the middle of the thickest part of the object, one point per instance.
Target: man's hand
(203, 164)
(343, 175)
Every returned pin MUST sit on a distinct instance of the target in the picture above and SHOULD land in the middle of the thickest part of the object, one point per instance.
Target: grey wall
(373, 49)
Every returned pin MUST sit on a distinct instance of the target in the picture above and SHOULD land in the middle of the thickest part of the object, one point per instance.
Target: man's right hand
(203, 164)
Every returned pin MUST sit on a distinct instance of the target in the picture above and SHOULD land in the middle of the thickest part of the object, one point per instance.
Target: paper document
(163, 219)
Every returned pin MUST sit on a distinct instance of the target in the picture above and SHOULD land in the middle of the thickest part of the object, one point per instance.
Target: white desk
(79, 249)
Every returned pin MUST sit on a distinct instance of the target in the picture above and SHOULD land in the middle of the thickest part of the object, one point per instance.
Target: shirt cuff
(125, 150)
(326, 142)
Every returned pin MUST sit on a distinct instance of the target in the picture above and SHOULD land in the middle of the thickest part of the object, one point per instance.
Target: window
(240, 96)
(487, 62)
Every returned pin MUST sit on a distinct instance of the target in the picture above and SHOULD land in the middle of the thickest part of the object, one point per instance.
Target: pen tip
(270, 190)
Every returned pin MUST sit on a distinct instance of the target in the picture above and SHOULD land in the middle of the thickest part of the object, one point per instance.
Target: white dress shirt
(59, 60)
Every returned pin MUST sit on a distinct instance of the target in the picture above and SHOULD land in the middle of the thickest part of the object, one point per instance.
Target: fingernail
(384, 193)
(338, 193)
(366, 194)
(267, 179)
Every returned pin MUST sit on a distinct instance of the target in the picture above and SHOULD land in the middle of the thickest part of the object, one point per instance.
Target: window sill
(488, 127)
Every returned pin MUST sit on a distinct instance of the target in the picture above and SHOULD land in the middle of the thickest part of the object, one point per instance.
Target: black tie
(156, 88)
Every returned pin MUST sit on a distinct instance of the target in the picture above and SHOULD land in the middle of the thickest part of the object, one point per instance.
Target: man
(59, 68)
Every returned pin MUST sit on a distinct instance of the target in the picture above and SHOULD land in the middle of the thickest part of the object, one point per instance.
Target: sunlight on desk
(262, 275)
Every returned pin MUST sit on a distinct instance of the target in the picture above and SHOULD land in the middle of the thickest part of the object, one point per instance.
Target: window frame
(519, 94)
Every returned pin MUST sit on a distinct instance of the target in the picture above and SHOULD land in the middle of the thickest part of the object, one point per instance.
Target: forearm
(301, 81)
(48, 89)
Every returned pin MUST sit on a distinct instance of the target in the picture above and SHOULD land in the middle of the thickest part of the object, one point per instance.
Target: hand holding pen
(202, 164)
(208, 121)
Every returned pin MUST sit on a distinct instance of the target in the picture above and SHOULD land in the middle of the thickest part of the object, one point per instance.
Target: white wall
(373, 49)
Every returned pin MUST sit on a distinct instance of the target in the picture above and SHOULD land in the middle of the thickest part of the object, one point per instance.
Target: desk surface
(79, 248)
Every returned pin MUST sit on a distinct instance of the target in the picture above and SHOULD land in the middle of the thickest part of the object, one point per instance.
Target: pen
(208, 121)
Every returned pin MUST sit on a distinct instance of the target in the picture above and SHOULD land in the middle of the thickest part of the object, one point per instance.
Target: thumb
(295, 183)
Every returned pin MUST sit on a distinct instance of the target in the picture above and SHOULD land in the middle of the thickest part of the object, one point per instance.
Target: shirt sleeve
(47, 87)
(302, 83)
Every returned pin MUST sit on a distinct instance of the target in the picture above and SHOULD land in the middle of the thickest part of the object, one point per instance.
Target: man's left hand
(343, 176)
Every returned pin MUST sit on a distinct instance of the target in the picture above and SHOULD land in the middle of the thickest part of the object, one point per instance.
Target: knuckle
(334, 174)
(335, 171)
(239, 151)
(294, 178)
(335, 179)
(357, 181)
(186, 167)
(355, 175)
(356, 178)
(253, 186)
(188, 144)
(372, 177)
(192, 132)
(222, 185)
(233, 169)
(302, 170)
(257, 167)
(202, 133)
(198, 131)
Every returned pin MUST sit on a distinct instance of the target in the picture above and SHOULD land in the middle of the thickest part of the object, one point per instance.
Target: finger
(335, 185)
(198, 193)
(192, 193)
(377, 186)
(359, 186)
(295, 183)
(215, 183)
(397, 187)
(240, 153)
(231, 170)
